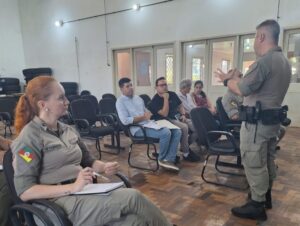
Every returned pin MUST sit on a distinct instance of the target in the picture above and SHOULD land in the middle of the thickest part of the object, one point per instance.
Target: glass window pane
(248, 54)
(293, 55)
(143, 67)
(123, 65)
(194, 61)
(165, 63)
(169, 68)
(222, 57)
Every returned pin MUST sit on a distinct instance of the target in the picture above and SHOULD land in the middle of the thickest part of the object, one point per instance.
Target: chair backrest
(109, 95)
(73, 97)
(93, 100)
(146, 99)
(83, 109)
(204, 122)
(9, 176)
(107, 106)
(8, 104)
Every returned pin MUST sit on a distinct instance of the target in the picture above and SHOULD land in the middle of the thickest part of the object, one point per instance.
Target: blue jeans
(168, 141)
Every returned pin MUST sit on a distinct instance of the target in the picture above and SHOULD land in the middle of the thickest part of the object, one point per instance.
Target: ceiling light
(136, 7)
(59, 23)
(190, 46)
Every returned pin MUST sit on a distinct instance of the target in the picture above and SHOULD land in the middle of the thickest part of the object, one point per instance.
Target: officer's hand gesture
(84, 177)
(222, 75)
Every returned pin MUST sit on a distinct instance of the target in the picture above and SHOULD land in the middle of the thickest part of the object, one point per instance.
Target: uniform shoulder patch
(26, 154)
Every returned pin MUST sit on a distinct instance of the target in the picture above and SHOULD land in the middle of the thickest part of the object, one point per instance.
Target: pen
(100, 176)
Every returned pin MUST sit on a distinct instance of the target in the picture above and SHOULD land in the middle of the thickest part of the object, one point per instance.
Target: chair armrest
(124, 179)
(228, 135)
(5, 116)
(28, 211)
(83, 126)
(57, 210)
(142, 138)
(108, 119)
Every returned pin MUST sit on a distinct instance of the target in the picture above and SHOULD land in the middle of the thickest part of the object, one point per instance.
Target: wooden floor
(188, 201)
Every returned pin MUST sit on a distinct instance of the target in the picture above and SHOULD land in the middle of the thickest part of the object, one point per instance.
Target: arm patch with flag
(26, 154)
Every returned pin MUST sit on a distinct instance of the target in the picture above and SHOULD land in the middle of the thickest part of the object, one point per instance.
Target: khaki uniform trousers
(5, 201)
(123, 206)
(258, 151)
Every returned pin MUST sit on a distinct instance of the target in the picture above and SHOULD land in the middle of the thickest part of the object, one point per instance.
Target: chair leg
(139, 167)
(113, 146)
(216, 183)
(98, 147)
(227, 164)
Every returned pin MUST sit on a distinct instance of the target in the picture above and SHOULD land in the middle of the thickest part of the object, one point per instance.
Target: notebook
(101, 188)
(1, 167)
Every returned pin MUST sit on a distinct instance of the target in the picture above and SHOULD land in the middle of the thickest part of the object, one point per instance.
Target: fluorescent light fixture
(136, 7)
(190, 46)
(59, 23)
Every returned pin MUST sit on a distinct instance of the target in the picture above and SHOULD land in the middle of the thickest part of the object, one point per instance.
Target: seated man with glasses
(167, 105)
(131, 109)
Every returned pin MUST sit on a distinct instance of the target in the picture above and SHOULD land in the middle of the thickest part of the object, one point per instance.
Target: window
(293, 53)
(169, 68)
(123, 63)
(222, 57)
(194, 60)
(142, 60)
(248, 54)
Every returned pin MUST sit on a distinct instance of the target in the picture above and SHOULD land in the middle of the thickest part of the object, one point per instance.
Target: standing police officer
(265, 84)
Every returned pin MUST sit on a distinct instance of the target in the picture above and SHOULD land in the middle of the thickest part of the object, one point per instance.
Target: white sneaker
(168, 165)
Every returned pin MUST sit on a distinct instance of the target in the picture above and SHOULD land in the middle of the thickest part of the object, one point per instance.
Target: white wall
(176, 21)
(11, 45)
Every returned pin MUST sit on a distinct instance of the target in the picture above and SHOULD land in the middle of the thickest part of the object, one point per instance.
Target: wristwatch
(226, 81)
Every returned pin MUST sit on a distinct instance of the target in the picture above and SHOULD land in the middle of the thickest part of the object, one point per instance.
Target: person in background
(185, 96)
(167, 105)
(51, 162)
(5, 196)
(131, 109)
(200, 99)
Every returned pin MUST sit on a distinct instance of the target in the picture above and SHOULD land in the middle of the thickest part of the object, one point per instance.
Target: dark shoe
(177, 159)
(251, 210)
(268, 202)
(192, 157)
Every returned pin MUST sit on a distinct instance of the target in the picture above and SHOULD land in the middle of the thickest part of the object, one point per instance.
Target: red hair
(37, 89)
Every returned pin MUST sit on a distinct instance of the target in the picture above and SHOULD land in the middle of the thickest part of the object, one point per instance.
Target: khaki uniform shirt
(231, 103)
(267, 80)
(42, 156)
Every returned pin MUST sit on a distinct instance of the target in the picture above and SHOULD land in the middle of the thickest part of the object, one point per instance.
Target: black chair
(141, 140)
(85, 118)
(7, 109)
(109, 95)
(207, 127)
(226, 123)
(93, 100)
(22, 213)
(107, 106)
(146, 99)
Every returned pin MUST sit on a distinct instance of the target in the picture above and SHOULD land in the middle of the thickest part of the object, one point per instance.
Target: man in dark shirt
(167, 105)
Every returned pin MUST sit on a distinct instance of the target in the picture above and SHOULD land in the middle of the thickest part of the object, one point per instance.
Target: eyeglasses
(161, 85)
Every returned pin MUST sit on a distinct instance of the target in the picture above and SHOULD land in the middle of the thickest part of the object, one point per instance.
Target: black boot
(251, 210)
(268, 203)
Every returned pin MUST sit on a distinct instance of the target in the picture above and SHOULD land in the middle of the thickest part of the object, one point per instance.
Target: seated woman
(200, 99)
(5, 197)
(51, 162)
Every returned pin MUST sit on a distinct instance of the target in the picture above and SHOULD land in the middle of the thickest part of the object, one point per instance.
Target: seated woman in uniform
(200, 99)
(51, 162)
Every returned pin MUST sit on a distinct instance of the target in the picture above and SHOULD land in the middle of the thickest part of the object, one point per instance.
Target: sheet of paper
(1, 167)
(166, 123)
(152, 124)
(99, 188)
